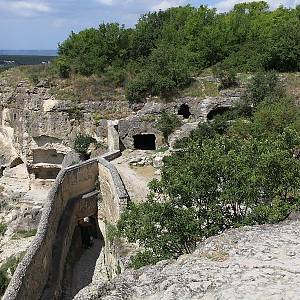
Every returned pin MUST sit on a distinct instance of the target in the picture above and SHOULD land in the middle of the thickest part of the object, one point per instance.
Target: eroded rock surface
(260, 262)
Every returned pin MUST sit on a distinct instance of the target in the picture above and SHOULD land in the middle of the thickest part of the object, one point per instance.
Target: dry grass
(293, 84)
(201, 88)
(219, 256)
(80, 88)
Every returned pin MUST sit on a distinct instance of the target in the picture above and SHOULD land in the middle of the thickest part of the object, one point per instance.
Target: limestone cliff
(260, 262)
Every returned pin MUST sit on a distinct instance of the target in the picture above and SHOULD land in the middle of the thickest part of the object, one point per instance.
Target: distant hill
(29, 52)
(8, 61)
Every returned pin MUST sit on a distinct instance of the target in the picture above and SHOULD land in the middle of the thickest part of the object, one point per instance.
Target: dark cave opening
(184, 110)
(144, 142)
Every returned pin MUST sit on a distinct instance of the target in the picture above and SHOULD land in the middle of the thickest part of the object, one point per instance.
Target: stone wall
(32, 274)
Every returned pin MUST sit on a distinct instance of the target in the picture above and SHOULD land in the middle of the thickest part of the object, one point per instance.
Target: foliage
(3, 228)
(227, 77)
(227, 174)
(166, 72)
(24, 234)
(8, 267)
(167, 123)
(63, 68)
(161, 54)
(263, 85)
(82, 143)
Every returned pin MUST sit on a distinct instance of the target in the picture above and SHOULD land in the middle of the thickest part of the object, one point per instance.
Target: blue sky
(41, 24)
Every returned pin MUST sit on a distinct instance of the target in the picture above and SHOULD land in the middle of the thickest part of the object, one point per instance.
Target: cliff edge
(260, 262)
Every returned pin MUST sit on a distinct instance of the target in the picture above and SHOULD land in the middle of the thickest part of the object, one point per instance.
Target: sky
(42, 24)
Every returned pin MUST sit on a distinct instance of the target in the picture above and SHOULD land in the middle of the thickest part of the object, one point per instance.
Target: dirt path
(136, 179)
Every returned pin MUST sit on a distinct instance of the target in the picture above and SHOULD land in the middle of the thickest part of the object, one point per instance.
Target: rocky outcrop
(260, 262)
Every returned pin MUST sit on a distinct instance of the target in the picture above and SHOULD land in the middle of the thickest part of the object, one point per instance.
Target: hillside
(199, 112)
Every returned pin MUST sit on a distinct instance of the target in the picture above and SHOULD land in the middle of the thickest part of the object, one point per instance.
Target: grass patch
(79, 88)
(201, 88)
(3, 228)
(20, 234)
(7, 269)
(161, 150)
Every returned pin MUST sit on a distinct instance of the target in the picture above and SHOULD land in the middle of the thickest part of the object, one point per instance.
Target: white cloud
(226, 5)
(106, 2)
(25, 8)
(165, 4)
(142, 5)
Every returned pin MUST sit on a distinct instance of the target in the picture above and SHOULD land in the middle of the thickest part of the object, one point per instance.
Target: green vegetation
(24, 234)
(167, 123)
(236, 170)
(166, 49)
(227, 77)
(82, 143)
(8, 268)
(3, 228)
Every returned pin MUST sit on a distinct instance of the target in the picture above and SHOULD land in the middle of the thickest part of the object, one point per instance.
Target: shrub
(63, 68)
(208, 187)
(167, 123)
(82, 143)
(227, 77)
(263, 85)
(3, 228)
(9, 265)
(165, 73)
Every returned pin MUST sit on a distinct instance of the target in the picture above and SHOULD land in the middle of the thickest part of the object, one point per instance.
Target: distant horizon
(29, 52)
(36, 24)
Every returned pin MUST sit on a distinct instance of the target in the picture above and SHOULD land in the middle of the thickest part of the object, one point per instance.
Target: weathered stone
(260, 262)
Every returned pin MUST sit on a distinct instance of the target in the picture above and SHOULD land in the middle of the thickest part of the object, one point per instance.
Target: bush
(82, 143)
(10, 266)
(263, 85)
(208, 187)
(3, 228)
(226, 77)
(165, 73)
(167, 123)
(63, 68)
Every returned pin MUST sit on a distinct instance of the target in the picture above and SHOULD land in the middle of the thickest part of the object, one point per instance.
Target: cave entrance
(144, 142)
(184, 110)
(218, 111)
